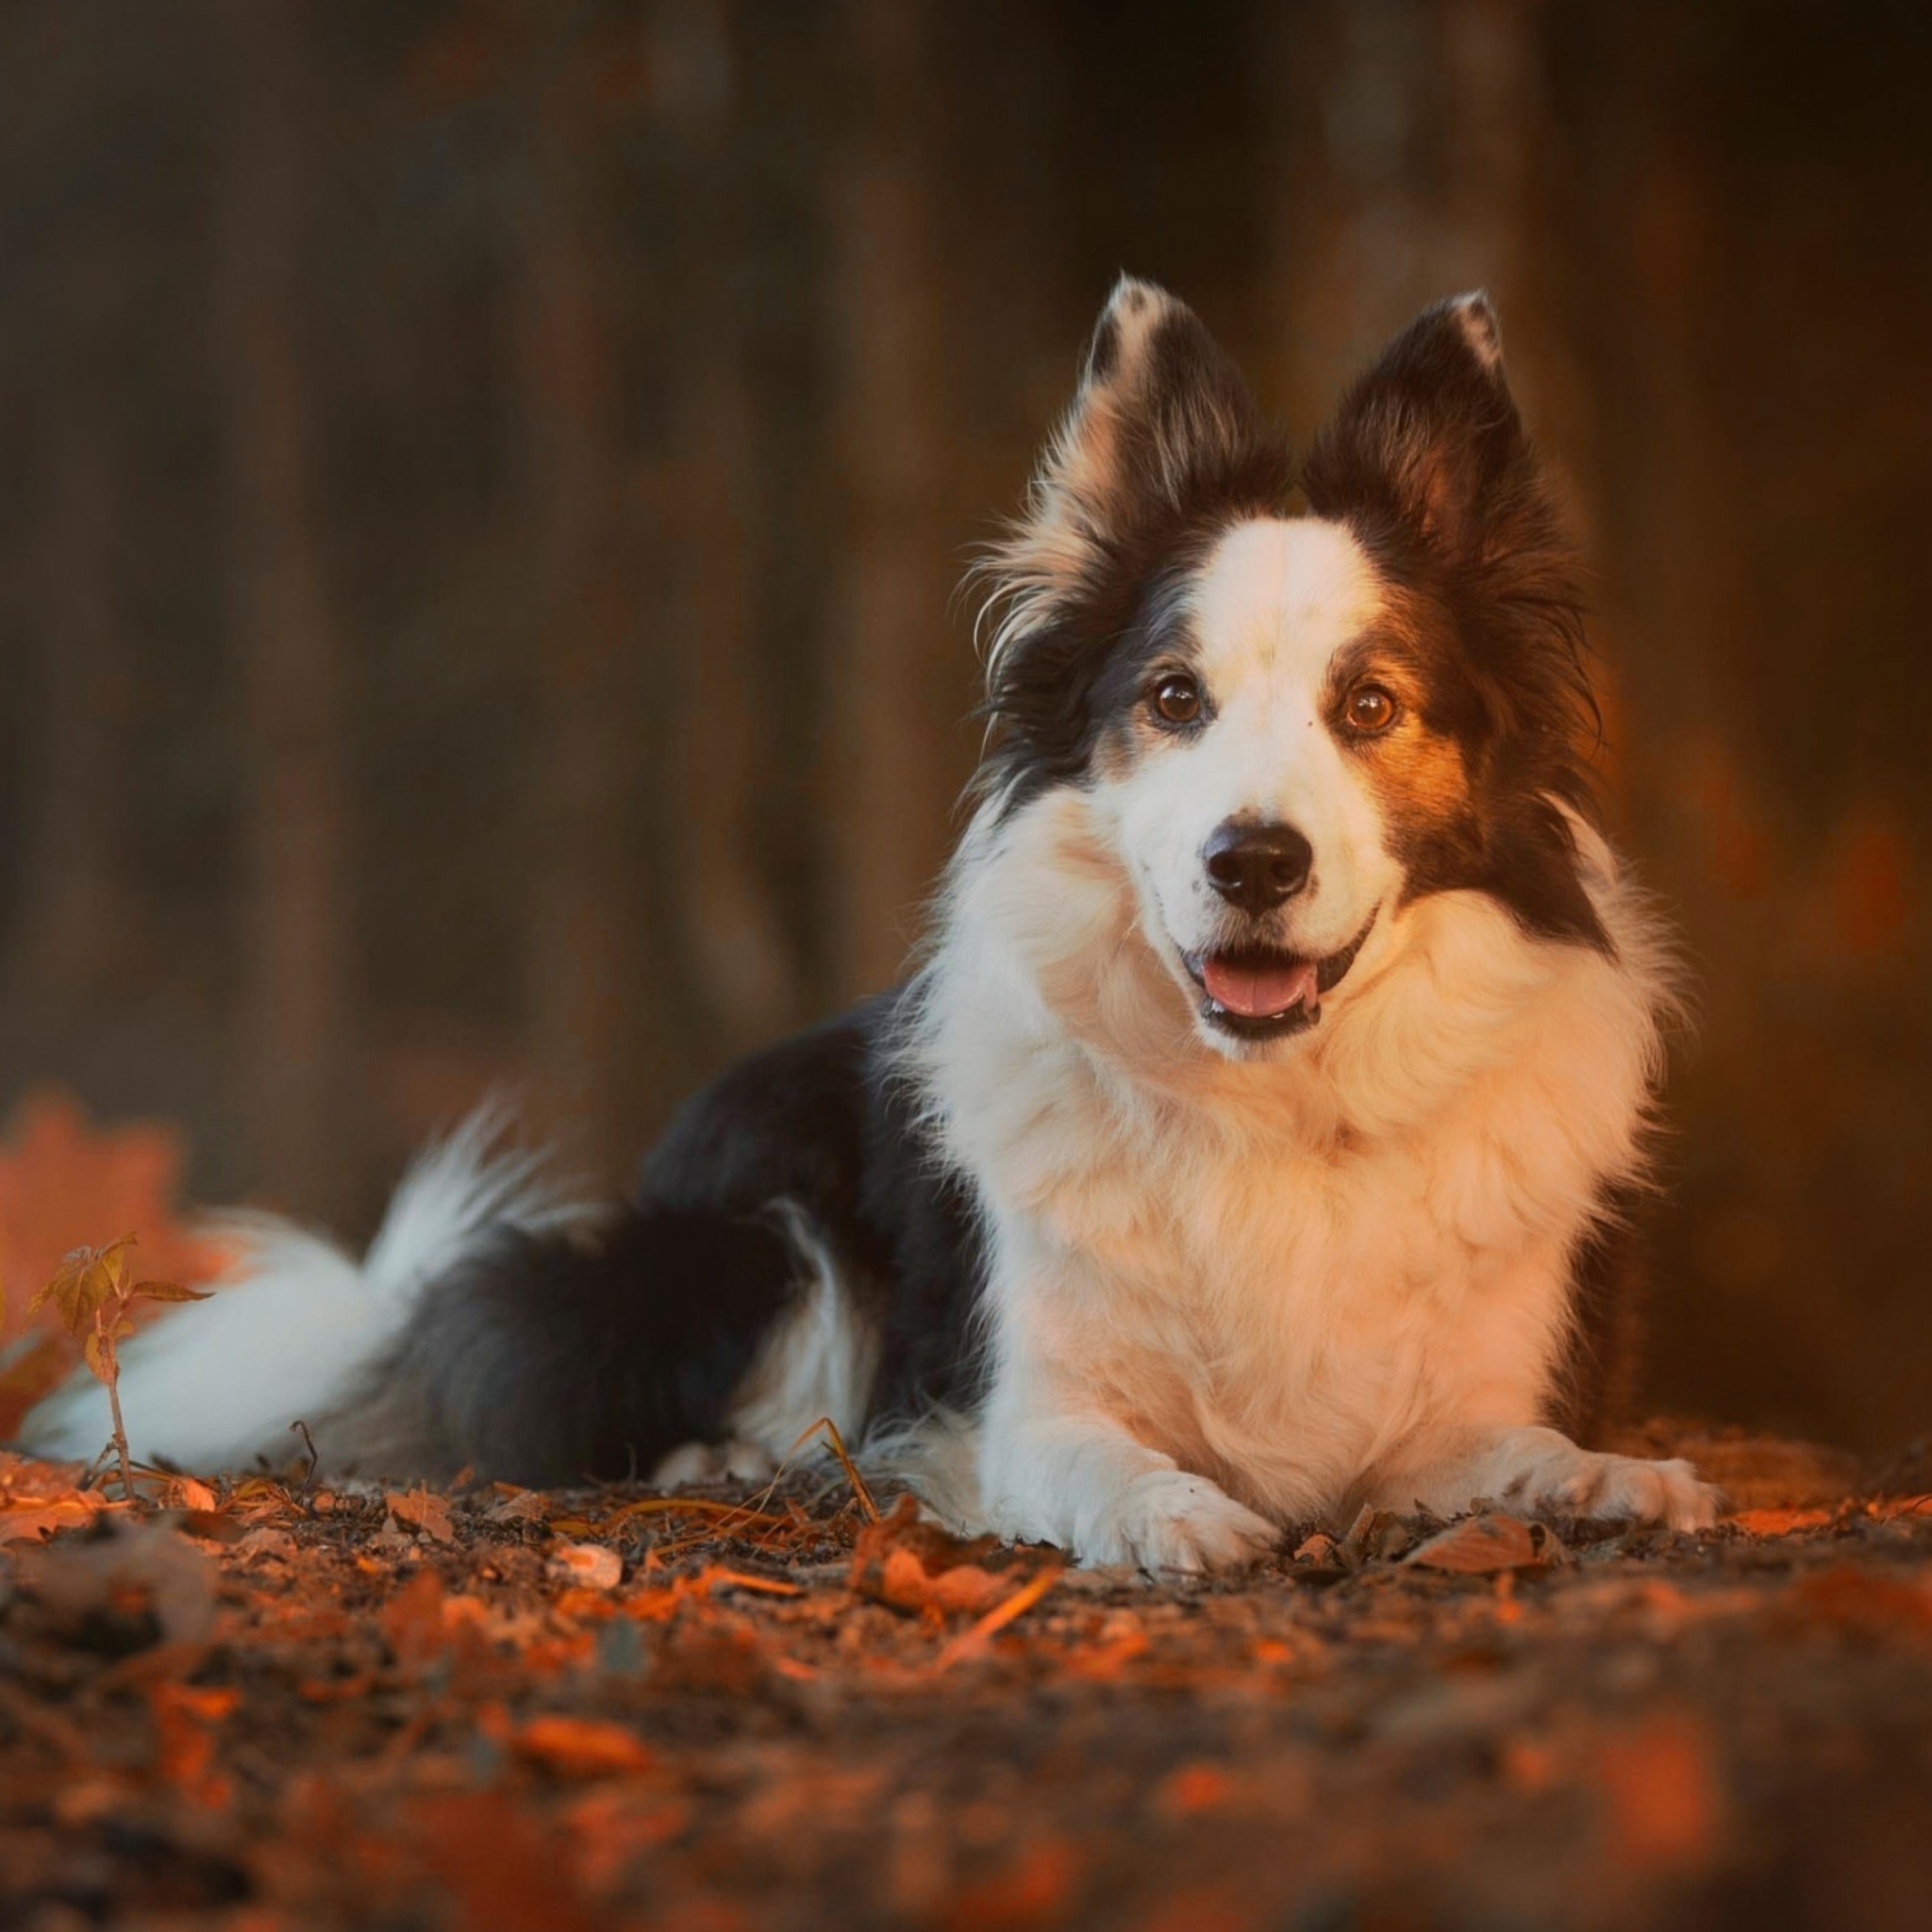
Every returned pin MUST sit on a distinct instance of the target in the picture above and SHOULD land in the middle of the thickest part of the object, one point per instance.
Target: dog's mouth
(1267, 992)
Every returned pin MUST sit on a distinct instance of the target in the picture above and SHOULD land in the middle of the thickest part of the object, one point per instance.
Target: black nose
(1256, 867)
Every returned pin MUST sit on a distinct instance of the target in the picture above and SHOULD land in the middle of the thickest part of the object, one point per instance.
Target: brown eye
(1369, 709)
(1176, 700)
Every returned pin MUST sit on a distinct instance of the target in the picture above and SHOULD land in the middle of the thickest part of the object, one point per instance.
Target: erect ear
(1162, 435)
(1429, 442)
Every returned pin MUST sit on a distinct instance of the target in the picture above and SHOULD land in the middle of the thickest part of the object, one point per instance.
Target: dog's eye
(1176, 699)
(1369, 709)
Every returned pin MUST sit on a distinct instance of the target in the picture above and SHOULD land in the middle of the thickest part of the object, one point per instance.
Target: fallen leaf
(913, 1565)
(1864, 1601)
(185, 1492)
(1036, 1888)
(586, 1566)
(31, 1515)
(274, 1543)
(1192, 1788)
(421, 1509)
(1663, 1802)
(1479, 1545)
(973, 1640)
(520, 1506)
(580, 1747)
(1889, 1508)
(1780, 1521)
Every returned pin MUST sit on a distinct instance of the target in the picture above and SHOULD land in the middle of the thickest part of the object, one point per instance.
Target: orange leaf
(580, 1747)
(1780, 1521)
(913, 1565)
(1479, 1545)
(1663, 1797)
(34, 1516)
(62, 1178)
(423, 1511)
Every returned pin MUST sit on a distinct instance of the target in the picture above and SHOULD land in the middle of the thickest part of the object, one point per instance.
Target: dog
(1254, 1140)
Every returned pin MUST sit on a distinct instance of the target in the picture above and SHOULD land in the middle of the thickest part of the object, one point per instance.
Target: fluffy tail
(299, 1327)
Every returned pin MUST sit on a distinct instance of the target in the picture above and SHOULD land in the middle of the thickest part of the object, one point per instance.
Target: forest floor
(268, 1705)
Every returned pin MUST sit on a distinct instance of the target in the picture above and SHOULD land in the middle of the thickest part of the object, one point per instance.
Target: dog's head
(1292, 728)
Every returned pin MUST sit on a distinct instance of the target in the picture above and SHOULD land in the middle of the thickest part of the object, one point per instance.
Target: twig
(114, 1382)
(299, 1428)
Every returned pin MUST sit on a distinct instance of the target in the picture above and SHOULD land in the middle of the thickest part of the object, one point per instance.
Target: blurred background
(482, 485)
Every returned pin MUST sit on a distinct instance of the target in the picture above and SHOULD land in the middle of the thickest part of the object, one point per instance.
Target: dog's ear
(1428, 444)
(1162, 433)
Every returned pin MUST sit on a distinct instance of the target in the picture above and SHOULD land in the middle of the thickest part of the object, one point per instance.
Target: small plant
(92, 1293)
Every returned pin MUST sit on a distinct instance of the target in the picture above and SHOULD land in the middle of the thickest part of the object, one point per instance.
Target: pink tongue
(1258, 992)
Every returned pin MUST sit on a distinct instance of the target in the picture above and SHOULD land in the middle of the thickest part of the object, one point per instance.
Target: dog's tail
(300, 1330)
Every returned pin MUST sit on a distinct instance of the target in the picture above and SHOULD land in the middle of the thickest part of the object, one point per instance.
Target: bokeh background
(482, 486)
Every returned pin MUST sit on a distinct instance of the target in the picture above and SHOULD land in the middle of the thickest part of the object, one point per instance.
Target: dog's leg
(1084, 1483)
(1543, 1472)
(1053, 1468)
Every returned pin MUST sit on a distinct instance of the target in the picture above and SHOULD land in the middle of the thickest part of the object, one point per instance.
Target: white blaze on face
(1267, 613)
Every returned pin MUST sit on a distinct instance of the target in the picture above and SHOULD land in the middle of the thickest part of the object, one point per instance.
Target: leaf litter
(257, 1704)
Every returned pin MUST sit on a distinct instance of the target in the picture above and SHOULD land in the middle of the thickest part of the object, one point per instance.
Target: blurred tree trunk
(585, 939)
(1413, 139)
(67, 924)
(1345, 83)
(721, 751)
(297, 1032)
(886, 725)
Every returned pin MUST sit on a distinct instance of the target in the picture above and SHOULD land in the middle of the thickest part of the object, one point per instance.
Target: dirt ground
(272, 1703)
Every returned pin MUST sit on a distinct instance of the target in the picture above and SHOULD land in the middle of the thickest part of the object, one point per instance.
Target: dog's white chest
(1290, 1319)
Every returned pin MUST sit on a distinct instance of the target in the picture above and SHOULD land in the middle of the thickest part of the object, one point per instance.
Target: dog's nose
(1258, 866)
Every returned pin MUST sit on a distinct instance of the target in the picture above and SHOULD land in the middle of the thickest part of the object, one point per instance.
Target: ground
(284, 1703)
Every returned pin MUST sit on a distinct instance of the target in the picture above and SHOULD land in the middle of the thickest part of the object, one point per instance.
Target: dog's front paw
(1548, 1473)
(1169, 1520)
(1629, 1488)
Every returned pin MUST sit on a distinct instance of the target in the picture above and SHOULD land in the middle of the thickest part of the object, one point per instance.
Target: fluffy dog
(1251, 1140)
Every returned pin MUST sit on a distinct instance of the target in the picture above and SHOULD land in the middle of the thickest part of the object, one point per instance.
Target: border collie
(1251, 1143)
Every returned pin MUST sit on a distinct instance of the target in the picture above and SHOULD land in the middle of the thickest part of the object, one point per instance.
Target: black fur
(1193, 455)
(553, 1360)
(1596, 1384)
(550, 1360)
(1428, 463)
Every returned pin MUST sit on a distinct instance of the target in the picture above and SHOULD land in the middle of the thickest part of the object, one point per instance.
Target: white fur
(1270, 609)
(1233, 1289)
(296, 1325)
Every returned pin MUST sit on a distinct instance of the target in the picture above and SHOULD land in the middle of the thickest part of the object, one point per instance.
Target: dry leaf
(185, 1492)
(1662, 1794)
(586, 1566)
(580, 1747)
(1479, 1545)
(421, 1509)
(36, 1517)
(1780, 1521)
(913, 1565)
(520, 1506)
(275, 1543)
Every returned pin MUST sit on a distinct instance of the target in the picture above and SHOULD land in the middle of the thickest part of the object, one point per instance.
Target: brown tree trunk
(68, 920)
(585, 932)
(887, 727)
(721, 748)
(295, 1016)
(1408, 169)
